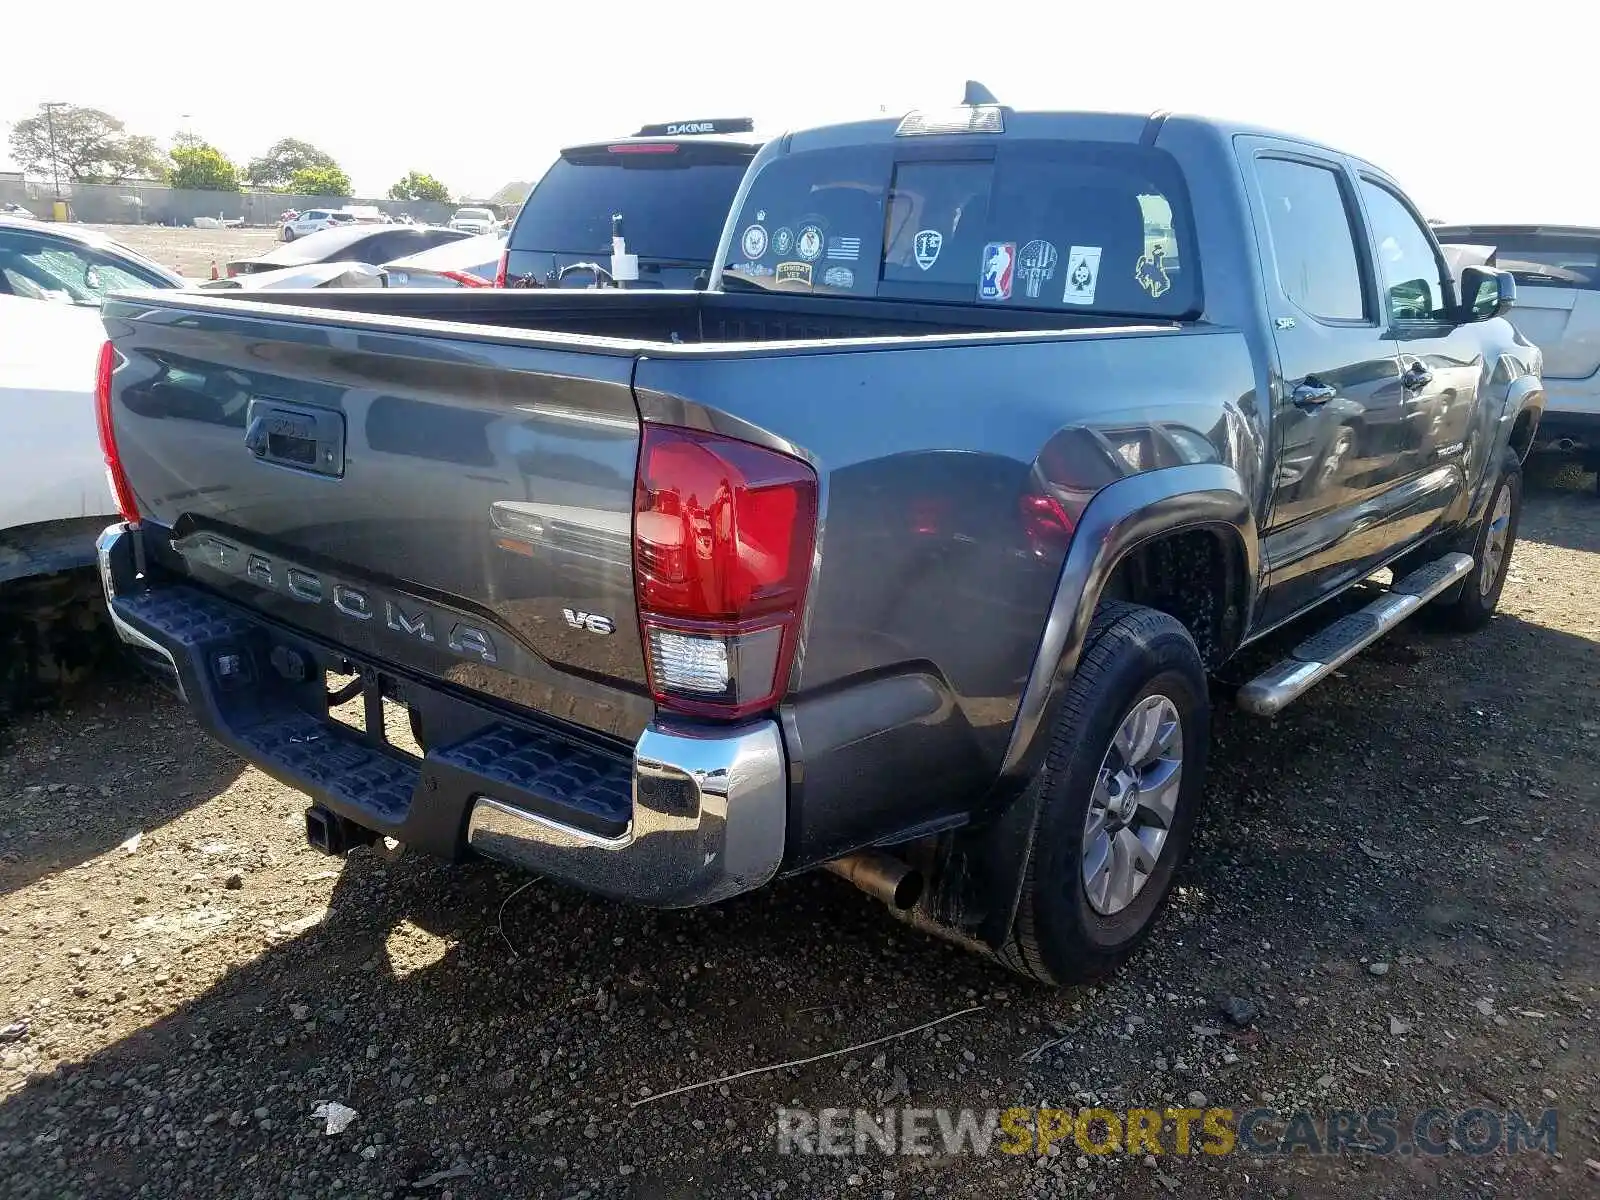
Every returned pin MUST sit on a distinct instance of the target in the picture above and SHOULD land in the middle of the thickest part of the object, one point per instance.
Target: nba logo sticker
(999, 266)
(1083, 272)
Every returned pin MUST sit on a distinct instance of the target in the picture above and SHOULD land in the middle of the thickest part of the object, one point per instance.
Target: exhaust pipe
(890, 880)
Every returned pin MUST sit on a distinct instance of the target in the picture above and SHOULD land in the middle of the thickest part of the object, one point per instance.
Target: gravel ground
(1393, 889)
(191, 252)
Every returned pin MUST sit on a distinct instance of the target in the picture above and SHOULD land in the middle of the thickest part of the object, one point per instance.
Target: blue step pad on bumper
(547, 775)
(341, 766)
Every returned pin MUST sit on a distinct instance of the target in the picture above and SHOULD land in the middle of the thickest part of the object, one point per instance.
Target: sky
(1476, 120)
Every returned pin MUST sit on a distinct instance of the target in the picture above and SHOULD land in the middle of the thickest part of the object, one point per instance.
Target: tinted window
(1027, 224)
(673, 205)
(1407, 264)
(1313, 245)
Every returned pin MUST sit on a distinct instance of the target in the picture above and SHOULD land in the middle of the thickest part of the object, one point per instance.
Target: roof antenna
(978, 94)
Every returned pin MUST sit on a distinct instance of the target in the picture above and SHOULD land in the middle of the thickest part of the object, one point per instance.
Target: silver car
(1557, 269)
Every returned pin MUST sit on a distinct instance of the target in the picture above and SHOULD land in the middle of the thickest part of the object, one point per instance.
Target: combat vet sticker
(1083, 272)
(845, 249)
(839, 277)
(754, 241)
(1036, 266)
(792, 272)
(999, 268)
(809, 244)
(783, 242)
(1151, 271)
(927, 245)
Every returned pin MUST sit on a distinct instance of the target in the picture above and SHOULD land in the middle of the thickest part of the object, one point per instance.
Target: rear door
(1339, 400)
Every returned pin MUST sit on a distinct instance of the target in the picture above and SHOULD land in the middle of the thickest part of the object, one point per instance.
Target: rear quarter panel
(930, 594)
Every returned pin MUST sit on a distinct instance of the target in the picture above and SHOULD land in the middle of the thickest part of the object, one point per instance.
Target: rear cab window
(1069, 225)
(673, 198)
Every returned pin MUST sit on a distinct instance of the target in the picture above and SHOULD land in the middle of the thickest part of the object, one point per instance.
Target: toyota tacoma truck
(906, 548)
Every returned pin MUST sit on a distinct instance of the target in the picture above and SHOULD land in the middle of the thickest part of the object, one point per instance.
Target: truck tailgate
(455, 506)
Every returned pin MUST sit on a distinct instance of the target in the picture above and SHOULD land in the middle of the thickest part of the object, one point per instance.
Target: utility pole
(50, 124)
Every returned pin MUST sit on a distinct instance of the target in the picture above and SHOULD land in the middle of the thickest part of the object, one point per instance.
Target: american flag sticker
(844, 249)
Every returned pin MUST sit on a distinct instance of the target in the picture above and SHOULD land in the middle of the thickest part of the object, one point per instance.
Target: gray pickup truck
(905, 549)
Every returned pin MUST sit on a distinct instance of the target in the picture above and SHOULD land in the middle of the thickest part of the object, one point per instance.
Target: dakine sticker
(809, 244)
(999, 268)
(844, 249)
(927, 245)
(1151, 271)
(754, 241)
(1083, 272)
(839, 277)
(793, 272)
(783, 242)
(1036, 266)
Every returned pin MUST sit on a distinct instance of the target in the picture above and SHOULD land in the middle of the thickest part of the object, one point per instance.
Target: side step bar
(1314, 659)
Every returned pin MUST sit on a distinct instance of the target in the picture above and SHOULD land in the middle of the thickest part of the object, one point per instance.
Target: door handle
(1416, 376)
(1312, 394)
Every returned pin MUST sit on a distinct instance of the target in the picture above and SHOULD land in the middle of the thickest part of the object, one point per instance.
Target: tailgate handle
(296, 436)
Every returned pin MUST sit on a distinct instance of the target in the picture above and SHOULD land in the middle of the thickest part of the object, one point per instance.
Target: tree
(320, 181)
(90, 146)
(277, 166)
(204, 168)
(417, 186)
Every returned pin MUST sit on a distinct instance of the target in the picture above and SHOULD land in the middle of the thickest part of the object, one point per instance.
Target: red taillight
(644, 148)
(126, 504)
(500, 271)
(723, 533)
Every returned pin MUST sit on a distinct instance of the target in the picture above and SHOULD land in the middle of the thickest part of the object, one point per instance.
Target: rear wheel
(1117, 795)
(288, 234)
(1471, 606)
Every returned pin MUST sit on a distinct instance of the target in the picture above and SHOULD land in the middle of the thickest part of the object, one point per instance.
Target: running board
(1314, 659)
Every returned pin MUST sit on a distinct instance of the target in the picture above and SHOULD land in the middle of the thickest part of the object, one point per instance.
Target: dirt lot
(1397, 876)
(191, 252)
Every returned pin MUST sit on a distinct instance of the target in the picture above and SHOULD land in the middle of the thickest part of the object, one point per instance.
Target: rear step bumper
(697, 814)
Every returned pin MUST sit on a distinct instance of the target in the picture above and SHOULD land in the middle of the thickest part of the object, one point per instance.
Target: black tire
(1470, 606)
(1132, 653)
(288, 235)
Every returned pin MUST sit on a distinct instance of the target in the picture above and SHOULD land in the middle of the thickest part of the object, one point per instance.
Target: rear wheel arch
(1197, 574)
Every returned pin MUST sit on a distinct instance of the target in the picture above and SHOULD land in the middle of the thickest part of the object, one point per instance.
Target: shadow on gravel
(60, 814)
(1561, 507)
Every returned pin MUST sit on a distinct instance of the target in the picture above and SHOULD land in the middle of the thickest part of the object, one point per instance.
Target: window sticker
(794, 272)
(754, 241)
(927, 245)
(839, 277)
(999, 267)
(844, 249)
(1083, 272)
(1151, 271)
(809, 244)
(783, 242)
(1037, 266)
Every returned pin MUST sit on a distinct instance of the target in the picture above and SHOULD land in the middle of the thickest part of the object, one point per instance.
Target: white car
(54, 499)
(474, 220)
(313, 220)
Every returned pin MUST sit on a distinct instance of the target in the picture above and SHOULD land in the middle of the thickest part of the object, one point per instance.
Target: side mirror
(1486, 293)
